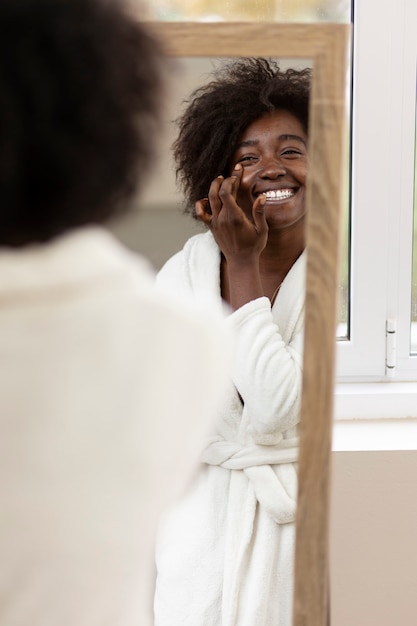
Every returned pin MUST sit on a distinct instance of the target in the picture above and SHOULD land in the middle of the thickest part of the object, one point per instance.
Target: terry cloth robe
(225, 553)
(100, 382)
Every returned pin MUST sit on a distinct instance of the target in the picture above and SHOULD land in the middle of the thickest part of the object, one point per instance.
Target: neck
(283, 248)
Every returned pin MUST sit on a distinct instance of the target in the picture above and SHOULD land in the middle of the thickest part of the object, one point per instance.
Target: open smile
(276, 195)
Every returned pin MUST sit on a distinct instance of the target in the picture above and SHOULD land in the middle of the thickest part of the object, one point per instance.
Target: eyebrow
(286, 137)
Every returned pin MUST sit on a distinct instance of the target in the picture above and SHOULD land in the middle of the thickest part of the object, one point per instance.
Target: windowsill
(375, 416)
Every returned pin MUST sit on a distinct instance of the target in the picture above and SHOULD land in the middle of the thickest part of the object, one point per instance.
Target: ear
(203, 211)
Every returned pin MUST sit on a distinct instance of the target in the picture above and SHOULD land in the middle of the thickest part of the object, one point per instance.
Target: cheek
(245, 184)
(245, 202)
(244, 196)
(302, 174)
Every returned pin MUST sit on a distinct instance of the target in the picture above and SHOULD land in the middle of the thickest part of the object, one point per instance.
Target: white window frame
(383, 141)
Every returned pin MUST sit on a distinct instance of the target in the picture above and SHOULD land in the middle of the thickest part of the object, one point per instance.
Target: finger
(236, 177)
(231, 185)
(213, 196)
(258, 214)
(203, 211)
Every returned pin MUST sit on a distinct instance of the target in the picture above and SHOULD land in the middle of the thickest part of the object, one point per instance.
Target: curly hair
(80, 91)
(218, 112)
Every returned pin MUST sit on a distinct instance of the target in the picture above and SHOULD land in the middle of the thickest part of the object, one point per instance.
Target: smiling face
(273, 154)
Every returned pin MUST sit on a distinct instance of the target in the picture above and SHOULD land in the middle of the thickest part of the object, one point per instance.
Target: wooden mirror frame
(326, 45)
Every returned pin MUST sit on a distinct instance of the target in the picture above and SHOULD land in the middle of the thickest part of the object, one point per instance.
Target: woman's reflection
(225, 553)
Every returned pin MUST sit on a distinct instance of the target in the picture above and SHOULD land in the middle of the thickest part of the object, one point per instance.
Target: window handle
(390, 347)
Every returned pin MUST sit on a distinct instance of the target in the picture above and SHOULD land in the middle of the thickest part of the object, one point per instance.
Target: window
(383, 146)
(383, 188)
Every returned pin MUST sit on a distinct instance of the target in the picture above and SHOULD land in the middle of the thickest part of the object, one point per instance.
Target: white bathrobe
(225, 553)
(101, 379)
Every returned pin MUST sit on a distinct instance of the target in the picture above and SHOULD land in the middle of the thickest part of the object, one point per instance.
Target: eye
(292, 153)
(247, 159)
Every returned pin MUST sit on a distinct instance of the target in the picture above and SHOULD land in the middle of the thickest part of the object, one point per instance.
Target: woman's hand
(238, 237)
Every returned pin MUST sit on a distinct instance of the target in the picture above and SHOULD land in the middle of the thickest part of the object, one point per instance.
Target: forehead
(274, 124)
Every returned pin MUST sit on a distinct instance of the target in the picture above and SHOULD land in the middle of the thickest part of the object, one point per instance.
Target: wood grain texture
(324, 199)
(327, 47)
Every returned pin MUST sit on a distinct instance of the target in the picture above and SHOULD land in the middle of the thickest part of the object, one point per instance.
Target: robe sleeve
(172, 277)
(267, 371)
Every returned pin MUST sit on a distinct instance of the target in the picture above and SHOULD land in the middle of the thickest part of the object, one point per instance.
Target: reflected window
(309, 11)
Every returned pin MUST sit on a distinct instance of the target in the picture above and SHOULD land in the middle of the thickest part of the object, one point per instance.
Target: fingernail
(238, 166)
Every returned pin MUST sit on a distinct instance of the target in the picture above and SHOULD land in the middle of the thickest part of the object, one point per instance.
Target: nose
(272, 168)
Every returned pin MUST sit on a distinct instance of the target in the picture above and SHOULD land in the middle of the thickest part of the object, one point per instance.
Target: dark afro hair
(218, 112)
(80, 91)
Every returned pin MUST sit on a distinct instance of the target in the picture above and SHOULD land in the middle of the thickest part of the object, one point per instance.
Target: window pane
(413, 342)
(343, 312)
(249, 10)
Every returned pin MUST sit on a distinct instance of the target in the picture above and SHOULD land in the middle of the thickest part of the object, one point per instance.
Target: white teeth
(279, 194)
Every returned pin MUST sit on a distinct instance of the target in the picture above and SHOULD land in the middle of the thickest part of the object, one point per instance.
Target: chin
(276, 222)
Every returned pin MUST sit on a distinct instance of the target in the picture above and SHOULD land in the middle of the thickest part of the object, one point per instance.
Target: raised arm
(240, 239)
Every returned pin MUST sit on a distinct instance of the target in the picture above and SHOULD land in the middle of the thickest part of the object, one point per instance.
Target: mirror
(326, 46)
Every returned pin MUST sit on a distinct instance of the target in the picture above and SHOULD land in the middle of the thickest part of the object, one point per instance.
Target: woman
(225, 553)
(94, 363)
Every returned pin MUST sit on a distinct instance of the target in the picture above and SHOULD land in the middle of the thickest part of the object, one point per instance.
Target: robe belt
(231, 455)
(256, 461)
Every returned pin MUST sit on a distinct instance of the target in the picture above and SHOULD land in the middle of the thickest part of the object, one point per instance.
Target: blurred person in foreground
(101, 378)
